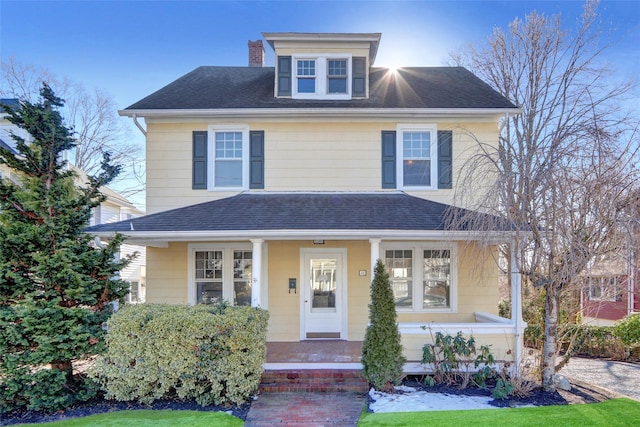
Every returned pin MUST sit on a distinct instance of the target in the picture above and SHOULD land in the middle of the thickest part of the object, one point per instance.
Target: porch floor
(314, 351)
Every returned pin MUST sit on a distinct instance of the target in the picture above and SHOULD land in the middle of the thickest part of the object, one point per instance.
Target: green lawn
(146, 418)
(615, 412)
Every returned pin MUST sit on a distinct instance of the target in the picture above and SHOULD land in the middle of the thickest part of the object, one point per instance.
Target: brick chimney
(256, 53)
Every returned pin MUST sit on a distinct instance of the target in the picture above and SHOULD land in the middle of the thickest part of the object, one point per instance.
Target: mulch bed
(579, 394)
(100, 405)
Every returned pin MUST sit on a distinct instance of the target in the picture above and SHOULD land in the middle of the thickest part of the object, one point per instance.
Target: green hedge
(213, 354)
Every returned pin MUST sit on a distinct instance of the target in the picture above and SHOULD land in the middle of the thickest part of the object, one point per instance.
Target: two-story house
(281, 186)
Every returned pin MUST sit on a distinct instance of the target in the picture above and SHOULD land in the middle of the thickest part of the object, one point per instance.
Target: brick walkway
(306, 409)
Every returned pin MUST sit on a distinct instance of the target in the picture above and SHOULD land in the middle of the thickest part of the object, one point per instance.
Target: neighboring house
(611, 290)
(114, 208)
(281, 186)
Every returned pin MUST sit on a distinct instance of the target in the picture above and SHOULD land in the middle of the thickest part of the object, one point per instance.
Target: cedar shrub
(382, 357)
(56, 284)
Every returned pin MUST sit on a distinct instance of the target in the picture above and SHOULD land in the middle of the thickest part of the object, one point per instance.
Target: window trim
(418, 249)
(431, 128)
(615, 287)
(321, 76)
(227, 250)
(211, 155)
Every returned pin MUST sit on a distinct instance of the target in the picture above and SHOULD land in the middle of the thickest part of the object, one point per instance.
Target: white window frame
(211, 155)
(427, 127)
(610, 288)
(418, 249)
(227, 250)
(322, 76)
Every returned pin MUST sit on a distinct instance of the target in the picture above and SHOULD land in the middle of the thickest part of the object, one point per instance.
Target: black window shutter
(256, 159)
(359, 77)
(445, 159)
(388, 159)
(199, 159)
(284, 76)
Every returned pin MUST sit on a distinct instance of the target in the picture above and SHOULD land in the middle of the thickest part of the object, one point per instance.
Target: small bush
(628, 330)
(456, 360)
(213, 354)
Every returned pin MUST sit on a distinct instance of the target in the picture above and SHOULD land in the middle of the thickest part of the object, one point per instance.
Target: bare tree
(91, 114)
(564, 166)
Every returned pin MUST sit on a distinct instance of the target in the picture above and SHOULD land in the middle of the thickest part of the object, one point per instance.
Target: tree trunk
(64, 366)
(549, 349)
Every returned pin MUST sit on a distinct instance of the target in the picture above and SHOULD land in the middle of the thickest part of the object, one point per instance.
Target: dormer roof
(323, 39)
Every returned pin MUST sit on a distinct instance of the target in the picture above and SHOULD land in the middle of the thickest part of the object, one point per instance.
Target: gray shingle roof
(253, 87)
(295, 211)
(7, 147)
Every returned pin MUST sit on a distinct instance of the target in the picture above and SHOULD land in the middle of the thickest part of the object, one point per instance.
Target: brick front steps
(314, 380)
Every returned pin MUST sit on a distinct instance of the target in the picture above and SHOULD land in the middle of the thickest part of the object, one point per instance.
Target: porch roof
(316, 211)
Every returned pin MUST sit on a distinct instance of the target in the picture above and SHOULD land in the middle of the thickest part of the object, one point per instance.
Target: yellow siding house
(280, 187)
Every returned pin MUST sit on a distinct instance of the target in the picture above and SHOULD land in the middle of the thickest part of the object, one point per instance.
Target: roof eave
(318, 112)
(161, 238)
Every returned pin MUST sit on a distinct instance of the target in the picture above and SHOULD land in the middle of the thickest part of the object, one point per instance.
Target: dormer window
(306, 76)
(321, 77)
(337, 76)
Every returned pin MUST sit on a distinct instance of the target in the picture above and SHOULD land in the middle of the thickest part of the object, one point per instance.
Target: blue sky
(131, 48)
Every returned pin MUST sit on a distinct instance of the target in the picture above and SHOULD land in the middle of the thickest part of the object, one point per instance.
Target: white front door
(323, 293)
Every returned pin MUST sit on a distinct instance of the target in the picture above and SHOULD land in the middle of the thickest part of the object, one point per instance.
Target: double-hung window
(422, 277)
(220, 273)
(322, 77)
(306, 72)
(229, 156)
(337, 76)
(417, 154)
(605, 288)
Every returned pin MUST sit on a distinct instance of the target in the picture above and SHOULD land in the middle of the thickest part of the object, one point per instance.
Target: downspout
(516, 305)
(138, 125)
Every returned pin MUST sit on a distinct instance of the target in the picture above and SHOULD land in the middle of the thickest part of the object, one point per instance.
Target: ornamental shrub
(213, 354)
(382, 357)
(628, 330)
(56, 285)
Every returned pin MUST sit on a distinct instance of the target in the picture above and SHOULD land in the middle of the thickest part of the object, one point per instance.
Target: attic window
(337, 75)
(321, 77)
(306, 76)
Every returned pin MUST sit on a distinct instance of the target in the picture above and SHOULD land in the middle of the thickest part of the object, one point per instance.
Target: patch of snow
(420, 401)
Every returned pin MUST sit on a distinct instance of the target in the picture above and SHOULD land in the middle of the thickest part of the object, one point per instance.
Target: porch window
(399, 265)
(222, 274)
(428, 264)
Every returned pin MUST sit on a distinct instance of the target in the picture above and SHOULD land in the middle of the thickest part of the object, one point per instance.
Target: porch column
(256, 273)
(375, 254)
(516, 301)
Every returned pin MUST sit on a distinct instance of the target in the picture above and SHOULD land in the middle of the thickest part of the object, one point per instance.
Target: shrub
(456, 360)
(628, 330)
(382, 358)
(213, 354)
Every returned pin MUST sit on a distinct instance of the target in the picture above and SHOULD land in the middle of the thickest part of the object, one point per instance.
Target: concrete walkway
(306, 409)
(621, 377)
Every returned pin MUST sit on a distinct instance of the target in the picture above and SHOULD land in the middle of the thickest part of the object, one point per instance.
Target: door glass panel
(323, 285)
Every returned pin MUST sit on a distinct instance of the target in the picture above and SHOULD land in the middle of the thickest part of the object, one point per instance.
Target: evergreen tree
(56, 284)
(382, 357)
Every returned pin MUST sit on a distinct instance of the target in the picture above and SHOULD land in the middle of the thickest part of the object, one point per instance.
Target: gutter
(307, 113)
(138, 125)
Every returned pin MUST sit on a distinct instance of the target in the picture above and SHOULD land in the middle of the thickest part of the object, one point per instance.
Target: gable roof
(214, 87)
(322, 212)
